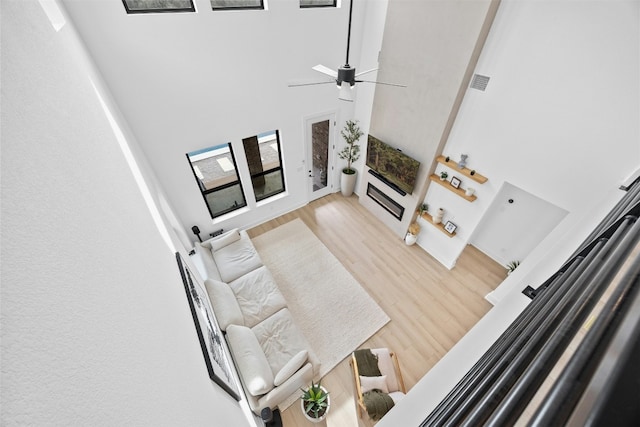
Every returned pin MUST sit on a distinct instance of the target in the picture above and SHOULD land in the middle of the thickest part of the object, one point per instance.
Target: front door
(320, 155)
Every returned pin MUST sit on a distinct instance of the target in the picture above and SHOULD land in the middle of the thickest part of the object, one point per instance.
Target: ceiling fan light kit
(345, 93)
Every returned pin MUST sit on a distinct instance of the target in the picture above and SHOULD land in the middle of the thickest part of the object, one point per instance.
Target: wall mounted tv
(392, 165)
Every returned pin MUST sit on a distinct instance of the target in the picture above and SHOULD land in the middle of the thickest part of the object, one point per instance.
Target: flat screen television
(392, 165)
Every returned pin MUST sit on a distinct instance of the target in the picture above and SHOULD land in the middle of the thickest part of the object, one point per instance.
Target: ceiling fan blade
(380, 83)
(309, 84)
(365, 72)
(325, 70)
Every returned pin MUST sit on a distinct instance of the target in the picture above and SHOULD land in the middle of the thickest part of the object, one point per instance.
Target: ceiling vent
(479, 82)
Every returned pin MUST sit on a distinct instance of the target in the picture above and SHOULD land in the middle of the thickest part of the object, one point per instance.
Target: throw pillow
(250, 360)
(374, 383)
(222, 240)
(291, 367)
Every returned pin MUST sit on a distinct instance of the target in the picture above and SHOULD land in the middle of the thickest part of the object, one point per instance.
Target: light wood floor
(430, 307)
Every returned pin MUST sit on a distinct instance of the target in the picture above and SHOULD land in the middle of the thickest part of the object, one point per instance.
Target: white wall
(193, 80)
(559, 117)
(96, 329)
(552, 138)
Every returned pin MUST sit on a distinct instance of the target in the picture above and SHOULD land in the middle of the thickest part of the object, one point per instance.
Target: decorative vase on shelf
(463, 161)
(437, 217)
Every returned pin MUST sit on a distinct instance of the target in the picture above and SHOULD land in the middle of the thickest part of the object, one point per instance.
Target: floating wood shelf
(446, 184)
(439, 226)
(465, 171)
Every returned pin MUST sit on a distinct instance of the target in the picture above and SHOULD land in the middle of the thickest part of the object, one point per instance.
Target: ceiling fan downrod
(349, 34)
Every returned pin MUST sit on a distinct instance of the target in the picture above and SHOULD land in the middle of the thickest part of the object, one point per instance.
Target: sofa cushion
(280, 339)
(236, 259)
(218, 242)
(250, 360)
(257, 296)
(225, 305)
(290, 368)
(206, 266)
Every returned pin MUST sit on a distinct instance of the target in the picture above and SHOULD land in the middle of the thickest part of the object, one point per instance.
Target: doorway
(320, 132)
(514, 224)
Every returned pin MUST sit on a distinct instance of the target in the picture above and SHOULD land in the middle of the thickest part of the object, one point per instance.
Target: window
(317, 3)
(265, 164)
(236, 4)
(154, 6)
(216, 173)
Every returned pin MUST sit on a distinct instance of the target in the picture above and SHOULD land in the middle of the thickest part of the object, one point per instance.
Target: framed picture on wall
(455, 182)
(208, 332)
(450, 227)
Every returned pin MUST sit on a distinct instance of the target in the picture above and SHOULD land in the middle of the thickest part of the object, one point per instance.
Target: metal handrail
(497, 389)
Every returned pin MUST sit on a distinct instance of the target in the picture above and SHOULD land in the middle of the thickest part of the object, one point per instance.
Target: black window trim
(222, 187)
(143, 11)
(315, 6)
(263, 173)
(261, 7)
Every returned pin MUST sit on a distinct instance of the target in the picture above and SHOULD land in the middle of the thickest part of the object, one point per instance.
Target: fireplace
(385, 201)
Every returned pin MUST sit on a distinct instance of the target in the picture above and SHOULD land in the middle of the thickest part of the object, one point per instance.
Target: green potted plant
(315, 402)
(512, 266)
(443, 175)
(351, 153)
(423, 208)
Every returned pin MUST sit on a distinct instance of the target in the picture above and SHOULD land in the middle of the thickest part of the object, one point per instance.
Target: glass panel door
(320, 170)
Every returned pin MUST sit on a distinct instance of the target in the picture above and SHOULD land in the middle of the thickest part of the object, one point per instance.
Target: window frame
(314, 6)
(269, 171)
(143, 11)
(261, 7)
(205, 191)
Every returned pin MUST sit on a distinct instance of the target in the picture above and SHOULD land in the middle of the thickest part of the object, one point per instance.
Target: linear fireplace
(385, 201)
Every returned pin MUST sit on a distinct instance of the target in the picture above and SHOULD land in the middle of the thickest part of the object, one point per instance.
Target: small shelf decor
(465, 171)
(459, 191)
(455, 182)
(439, 226)
(450, 227)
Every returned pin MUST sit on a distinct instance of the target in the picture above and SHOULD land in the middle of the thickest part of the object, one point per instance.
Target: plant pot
(322, 416)
(348, 182)
(410, 239)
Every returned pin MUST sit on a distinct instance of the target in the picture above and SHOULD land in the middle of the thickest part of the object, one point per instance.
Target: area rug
(333, 311)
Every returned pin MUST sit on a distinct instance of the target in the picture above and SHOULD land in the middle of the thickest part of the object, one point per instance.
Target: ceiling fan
(345, 77)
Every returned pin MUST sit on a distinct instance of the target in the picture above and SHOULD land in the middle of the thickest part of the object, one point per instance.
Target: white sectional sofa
(272, 356)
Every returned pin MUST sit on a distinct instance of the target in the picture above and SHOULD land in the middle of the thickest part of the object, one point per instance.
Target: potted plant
(423, 208)
(512, 266)
(315, 402)
(412, 234)
(351, 153)
(443, 175)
